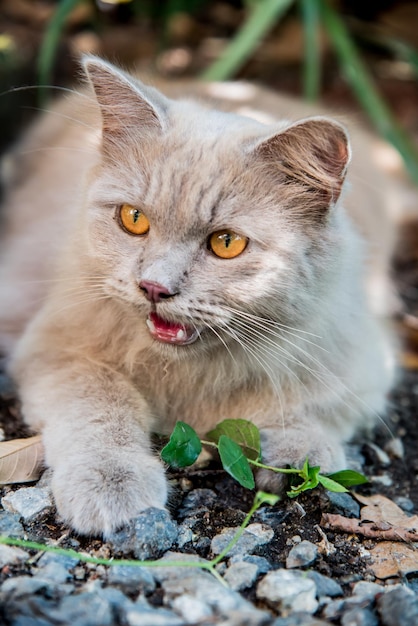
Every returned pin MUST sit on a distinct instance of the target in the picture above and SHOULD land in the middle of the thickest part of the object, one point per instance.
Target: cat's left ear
(314, 153)
(127, 106)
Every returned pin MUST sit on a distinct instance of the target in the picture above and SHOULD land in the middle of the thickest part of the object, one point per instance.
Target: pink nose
(154, 292)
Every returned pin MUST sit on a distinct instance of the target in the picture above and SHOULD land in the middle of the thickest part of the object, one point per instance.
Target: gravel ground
(288, 569)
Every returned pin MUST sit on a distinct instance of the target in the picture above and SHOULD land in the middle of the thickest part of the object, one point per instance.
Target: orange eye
(227, 244)
(133, 220)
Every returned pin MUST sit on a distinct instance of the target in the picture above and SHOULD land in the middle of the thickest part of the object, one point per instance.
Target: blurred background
(360, 55)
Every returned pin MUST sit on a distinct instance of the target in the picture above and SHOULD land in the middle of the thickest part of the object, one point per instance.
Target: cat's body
(140, 330)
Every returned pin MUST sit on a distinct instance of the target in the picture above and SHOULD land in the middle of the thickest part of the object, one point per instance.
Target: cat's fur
(287, 338)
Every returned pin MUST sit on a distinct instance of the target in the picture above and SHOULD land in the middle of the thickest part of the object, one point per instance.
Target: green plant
(260, 498)
(238, 444)
(262, 17)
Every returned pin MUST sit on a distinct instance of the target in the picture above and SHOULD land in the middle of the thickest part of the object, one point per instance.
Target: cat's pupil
(136, 214)
(227, 240)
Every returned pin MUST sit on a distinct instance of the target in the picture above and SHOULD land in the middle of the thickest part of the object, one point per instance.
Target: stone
(359, 616)
(302, 554)
(325, 586)
(83, 609)
(263, 566)
(398, 607)
(147, 536)
(30, 503)
(10, 525)
(366, 589)
(254, 535)
(68, 562)
(11, 555)
(395, 448)
(55, 572)
(299, 619)
(288, 591)
(140, 615)
(405, 504)
(191, 609)
(196, 501)
(380, 456)
(132, 579)
(343, 504)
(241, 575)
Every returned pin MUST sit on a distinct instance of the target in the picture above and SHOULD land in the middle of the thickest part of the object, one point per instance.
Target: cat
(165, 260)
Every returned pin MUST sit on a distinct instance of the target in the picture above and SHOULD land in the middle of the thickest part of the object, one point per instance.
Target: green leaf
(243, 432)
(263, 497)
(331, 485)
(183, 448)
(310, 480)
(348, 478)
(234, 462)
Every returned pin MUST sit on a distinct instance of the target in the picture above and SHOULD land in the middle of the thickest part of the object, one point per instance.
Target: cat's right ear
(127, 107)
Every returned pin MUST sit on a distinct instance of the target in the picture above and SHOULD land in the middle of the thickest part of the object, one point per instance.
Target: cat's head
(209, 223)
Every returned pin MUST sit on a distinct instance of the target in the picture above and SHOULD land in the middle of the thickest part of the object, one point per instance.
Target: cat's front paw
(291, 448)
(99, 499)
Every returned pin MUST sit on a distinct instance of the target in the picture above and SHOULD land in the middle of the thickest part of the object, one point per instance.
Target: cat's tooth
(150, 325)
(180, 334)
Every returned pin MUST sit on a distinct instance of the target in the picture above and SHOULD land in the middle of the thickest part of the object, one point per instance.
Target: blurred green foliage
(261, 17)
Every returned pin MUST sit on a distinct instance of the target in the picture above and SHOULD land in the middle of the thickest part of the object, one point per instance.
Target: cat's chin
(171, 332)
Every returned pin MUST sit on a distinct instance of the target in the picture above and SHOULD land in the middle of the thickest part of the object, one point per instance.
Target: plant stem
(312, 61)
(280, 470)
(256, 504)
(365, 89)
(263, 16)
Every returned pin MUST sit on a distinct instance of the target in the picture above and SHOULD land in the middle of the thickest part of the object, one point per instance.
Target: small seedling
(238, 444)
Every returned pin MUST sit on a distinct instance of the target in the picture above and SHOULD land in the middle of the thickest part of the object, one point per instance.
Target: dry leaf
(381, 510)
(389, 559)
(367, 529)
(380, 519)
(21, 460)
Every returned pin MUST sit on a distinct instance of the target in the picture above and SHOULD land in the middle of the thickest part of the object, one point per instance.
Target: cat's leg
(291, 445)
(95, 428)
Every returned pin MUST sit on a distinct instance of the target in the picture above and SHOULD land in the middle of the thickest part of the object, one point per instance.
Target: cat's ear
(314, 153)
(127, 106)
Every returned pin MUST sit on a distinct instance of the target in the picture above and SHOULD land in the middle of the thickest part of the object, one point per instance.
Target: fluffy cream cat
(179, 262)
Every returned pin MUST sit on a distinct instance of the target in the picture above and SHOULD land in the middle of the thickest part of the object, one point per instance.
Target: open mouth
(170, 332)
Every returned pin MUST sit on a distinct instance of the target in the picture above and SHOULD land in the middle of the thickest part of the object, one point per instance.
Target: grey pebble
(359, 617)
(395, 448)
(30, 503)
(83, 609)
(51, 557)
(11, 555)
(263, 566)
(304, 553)
(398, 607)
(288, 591)
(299, 619)
(191, 609)
(405, 504)
(147, 536)
(133, 579)
(140, 615)
(54, 572)
(325, 586)
(366, 589)
(343, 504)
(255, 535)
(354, 456)
(196, 501)
(379, 455)
(10, 525)
(241, 575)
